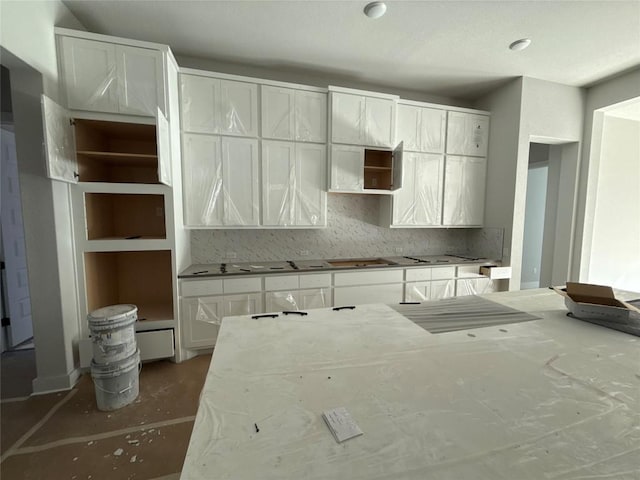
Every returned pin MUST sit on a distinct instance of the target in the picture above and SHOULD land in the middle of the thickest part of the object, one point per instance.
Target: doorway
(549, 213)
(17, 327)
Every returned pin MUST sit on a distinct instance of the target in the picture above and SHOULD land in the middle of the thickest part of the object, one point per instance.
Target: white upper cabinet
(362, 120)
(214, 106)
(467, 134)
(464, 191)
(220, 180)
(419, 201)
(295, 115)
(293, 184)
(421, 129)
(141, 79)
(112, 78)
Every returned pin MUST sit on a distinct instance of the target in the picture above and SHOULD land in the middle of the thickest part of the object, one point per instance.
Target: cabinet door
(417, 292)
(279, 184)
(380, 122)
(241, 187)
(347, 168)
(467, 134)
(59, 142)
(428, 177)
(409, 118)
(238, 110)
(442, 289)
(141, 80)
(281, 301)
(278, 107)
(464, 189)
(201, 318)
(310, 116)
(90, 74)
(314, 298)
(310, 192)
(432, 130)
(242, 304)
(163, 148)
(404, 200)
(202, 180)
(347, 118)
(199, 101)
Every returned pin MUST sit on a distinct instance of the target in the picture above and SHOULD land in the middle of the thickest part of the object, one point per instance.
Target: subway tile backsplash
(352, 232)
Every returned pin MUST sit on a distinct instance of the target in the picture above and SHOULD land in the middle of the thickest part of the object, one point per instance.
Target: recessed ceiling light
(520, 44)
(375, 9)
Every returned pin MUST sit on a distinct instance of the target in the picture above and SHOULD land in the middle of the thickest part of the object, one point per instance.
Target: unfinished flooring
(64, 435)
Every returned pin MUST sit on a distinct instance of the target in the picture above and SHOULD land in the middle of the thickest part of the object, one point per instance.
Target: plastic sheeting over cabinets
(295, 115)
(419, 201)
(464, 190)
(362, 120)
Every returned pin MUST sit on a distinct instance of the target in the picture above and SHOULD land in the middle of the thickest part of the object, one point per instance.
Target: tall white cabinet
(241, 173)
(444, 168)
(114, 143)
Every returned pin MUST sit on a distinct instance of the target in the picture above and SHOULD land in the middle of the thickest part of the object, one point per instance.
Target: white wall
(616, 90)
(534, 223)
(615, 247)
(525, 110)
(26, 32)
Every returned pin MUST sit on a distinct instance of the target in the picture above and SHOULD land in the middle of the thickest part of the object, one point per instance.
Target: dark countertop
(233, 269)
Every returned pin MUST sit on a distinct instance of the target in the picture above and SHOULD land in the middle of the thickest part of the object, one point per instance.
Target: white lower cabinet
(201, 317)
(434, 290)
(297, 299)
(389, 293)
(469, 281)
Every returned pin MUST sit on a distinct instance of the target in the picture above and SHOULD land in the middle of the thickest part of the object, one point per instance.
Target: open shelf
(142, 278)
(124, 216)
(378, 169)
(116, 152)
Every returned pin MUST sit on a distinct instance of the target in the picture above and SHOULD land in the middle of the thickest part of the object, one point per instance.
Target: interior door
(59, 141)
(18, 307)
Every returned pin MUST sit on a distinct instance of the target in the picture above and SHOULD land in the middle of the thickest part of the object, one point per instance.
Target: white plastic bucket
(113, 332)
(116, 384)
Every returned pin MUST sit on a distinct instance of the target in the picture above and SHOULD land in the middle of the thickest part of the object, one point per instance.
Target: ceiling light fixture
(375, 9)
(520, 44)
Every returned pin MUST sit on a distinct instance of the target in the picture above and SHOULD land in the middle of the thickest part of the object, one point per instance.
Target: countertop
(323, 265)
(550, 398)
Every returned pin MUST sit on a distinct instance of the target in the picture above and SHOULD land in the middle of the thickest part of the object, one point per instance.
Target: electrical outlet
(231, 255)
(304, 253)
(398, 249)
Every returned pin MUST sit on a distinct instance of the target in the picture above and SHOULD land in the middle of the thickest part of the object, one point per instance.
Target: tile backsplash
(352, 232)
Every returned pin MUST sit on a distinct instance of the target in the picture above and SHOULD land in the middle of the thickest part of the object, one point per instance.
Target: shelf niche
(124, 216)
(141, 278)
(378, 169)
(116, 152)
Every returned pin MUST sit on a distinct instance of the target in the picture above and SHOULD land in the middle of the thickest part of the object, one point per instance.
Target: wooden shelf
(118, 155)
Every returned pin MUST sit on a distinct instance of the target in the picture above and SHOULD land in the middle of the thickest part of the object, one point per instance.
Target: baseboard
(42, 385)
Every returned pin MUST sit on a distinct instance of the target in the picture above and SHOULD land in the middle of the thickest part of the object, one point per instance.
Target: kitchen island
(548, 398)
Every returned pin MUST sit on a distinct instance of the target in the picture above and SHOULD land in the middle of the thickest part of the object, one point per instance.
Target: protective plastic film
(99, 95)
(59, 141)
(553, 398)
(464, 189)
(432, 290)
(279, 301)
(208, 313)
(202, 180)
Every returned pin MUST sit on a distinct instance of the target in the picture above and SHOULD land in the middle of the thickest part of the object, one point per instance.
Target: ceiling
(449, 48)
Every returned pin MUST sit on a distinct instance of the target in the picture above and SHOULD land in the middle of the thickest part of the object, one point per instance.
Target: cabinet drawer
(284, 282)
(443, 273)
(368, 294)
(469, 271)
(155, 344)
(317, 280)
(197, 288)
(417, 274)
(240, 285)
(368, 277)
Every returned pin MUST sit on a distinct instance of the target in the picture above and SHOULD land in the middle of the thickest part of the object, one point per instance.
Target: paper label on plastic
(342, 426)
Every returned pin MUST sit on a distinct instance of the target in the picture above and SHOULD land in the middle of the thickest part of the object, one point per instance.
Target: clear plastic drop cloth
(59, 141)
(104, 90)
(554, 398)
(207, 313)
(281, 301)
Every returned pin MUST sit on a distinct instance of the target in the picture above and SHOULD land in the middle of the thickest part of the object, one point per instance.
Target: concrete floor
(64, 435)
